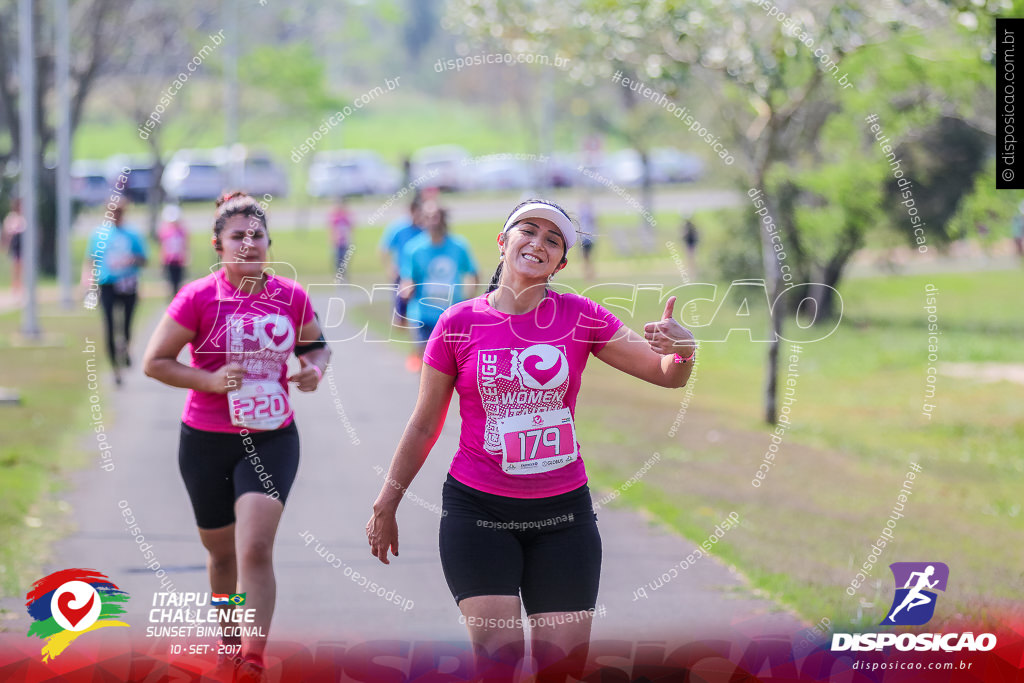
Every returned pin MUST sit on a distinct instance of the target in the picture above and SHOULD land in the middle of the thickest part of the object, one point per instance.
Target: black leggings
(175, 274)
(218, 467)
(110, 300)
(548, 550)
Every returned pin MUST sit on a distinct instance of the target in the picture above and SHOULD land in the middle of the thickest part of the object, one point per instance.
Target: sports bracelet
(318, 371)
(676, 358)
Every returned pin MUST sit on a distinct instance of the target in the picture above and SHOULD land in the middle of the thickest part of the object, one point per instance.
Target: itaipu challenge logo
(914, 603)
(69, 603)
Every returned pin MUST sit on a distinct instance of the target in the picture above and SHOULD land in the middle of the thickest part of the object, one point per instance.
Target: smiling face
(244, 243)
(534, 248)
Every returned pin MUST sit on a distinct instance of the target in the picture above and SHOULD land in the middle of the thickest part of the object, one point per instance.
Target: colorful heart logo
(543, 366)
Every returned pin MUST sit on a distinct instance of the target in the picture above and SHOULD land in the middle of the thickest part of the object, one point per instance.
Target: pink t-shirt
(507, 366)
(341, 227)
(173, 244)
(256, 330)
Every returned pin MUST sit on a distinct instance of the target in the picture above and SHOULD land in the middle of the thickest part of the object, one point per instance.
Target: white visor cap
(546, 211)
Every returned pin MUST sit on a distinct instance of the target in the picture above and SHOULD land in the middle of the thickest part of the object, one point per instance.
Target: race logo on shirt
(261, 342)
(519, 382)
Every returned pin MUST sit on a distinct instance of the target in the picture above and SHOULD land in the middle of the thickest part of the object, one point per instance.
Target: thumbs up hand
(667, 336)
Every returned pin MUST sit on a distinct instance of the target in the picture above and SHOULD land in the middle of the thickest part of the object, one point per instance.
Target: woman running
(239, 448)
(113, 261)
(519, 529)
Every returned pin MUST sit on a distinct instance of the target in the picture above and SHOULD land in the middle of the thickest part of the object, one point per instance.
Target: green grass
(857, 423)
(46, 435)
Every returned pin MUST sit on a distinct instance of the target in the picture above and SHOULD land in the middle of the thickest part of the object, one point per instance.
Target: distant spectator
(1018, 230)
(437, 271)
(690, 238)
(392, 244)
(341, 223)
(114, 257)
(588, 229)
(13, 229)
(173, 238)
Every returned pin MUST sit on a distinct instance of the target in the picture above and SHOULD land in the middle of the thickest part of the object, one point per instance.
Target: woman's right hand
(382, 532)
(226, 378)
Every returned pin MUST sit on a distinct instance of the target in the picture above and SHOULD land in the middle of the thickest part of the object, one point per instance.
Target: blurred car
(89, 184)
(498, 172)
(624, 168)
(560, 170)
(253, 172)
(443, 167)
(342, 173)
(140, 176)
(669, 165)
(194, 175)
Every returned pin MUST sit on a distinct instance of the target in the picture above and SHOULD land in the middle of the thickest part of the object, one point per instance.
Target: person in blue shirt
(436, 270)
(392, 243)
(397, 235)
(113, 259)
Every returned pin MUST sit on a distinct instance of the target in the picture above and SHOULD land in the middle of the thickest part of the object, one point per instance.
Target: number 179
(548, 437)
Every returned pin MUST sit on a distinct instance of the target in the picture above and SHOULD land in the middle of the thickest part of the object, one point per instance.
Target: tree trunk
(773, 283)
(647, 199)
(155, 198)
(46, 214)
(825, 297)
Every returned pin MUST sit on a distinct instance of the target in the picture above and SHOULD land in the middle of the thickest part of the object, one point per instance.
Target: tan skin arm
(161, 361)
(419, 437)
(651, 357)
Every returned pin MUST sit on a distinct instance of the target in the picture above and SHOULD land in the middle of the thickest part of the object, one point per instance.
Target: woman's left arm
(315, 362)
(652, 357)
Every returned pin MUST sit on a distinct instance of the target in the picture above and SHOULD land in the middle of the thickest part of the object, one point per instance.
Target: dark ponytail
(497, 277)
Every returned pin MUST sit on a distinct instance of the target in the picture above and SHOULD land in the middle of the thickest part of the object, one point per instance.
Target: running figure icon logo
(914, 602)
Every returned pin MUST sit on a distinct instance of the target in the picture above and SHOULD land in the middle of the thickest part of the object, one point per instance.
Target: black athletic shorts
(545, 550)
(219, 467)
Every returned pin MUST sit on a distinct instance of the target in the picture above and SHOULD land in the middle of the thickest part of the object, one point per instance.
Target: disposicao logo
(913, 604)
(68, 603)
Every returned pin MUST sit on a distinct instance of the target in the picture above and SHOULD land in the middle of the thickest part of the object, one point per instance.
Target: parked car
(499, 172)
(669, 165)
(561, 170)
(140, 176)
(443, 167)
(194, 175)
(89, 184)
(624, 168)
(254, 172)
(342, 173)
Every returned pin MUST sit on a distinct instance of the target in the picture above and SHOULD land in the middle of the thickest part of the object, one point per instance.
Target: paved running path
(331, 500)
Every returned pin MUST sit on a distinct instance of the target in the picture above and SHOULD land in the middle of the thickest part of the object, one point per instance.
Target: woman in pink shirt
(519, 529)
(239, 448)
(173, 247)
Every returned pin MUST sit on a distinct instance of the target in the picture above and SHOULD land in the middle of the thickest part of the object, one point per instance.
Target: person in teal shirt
(113, 260)
(437, 270)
